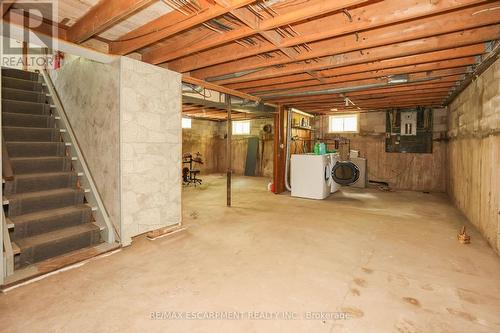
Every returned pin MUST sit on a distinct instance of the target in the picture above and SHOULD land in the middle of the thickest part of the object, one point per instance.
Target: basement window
(241, 127)
(346, 123)
(186, 122)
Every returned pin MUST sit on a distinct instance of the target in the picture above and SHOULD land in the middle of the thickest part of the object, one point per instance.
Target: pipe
(234, 75)
(187, 88)
(288, 144)
(338, 90)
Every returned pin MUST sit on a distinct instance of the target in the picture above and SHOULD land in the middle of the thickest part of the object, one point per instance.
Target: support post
(228, 148)
(279, 150)
(25, 56)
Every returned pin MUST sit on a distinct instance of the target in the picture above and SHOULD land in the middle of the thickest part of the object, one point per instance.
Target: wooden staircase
(45, 207)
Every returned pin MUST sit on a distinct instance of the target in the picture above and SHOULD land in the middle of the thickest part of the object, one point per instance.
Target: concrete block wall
(127, 119)
(150, 140)
(473, 182)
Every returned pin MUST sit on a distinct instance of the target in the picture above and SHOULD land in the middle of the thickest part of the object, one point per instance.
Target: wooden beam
(427, 67)
(103, 15)
(251, 20)
(415, 77)
(386, 64)
(36, 23)
(170, 24)
(378, 99)
(403, 49)
(413, 30)
(340, 98)
(6, 6)
(305, 11)
(215, 87)
(356, 37)
(358, 86)
(390, 90)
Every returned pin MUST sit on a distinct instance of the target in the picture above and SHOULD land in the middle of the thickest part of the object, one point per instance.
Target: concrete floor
(391, 261)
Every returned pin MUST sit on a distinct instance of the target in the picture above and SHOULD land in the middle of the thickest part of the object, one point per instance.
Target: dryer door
(345, 173)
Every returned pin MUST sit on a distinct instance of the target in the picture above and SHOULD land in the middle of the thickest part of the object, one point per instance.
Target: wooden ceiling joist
(102, 16)
(435, 56)
(462, 63)
(363, 18)
(411, 33)
(413, 47)
(170, 24)
(5, 7)
(309, 10)
(365, 85)
(307, 53)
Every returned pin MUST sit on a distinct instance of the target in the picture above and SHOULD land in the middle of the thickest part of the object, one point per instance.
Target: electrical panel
(409, 123)
(409, 131)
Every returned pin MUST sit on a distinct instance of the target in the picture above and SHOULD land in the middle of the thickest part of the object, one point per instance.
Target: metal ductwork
(189, 88)
(340, 90)
(234, 75)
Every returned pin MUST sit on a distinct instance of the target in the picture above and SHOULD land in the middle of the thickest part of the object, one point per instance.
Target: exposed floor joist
(297, 51)
(103, 15)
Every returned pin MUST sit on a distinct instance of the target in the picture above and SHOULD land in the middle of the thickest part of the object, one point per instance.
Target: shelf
(303, 128)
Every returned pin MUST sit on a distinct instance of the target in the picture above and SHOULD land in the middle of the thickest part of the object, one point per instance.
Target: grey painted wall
(89, 92)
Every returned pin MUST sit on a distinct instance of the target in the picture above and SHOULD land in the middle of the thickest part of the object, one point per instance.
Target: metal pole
(228, 149)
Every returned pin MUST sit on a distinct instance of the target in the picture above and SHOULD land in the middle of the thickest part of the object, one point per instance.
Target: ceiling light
(400, 78)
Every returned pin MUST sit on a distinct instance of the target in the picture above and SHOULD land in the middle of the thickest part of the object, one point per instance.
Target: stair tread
(24, 114)
(35, 142)
(37, 158)
(41, 193)
(20, 101)
(43, 174)
(15, 89)
(19, 79)
(56, 235)
(48, 213)
(15, 248)
(59, 262)
(30, 128)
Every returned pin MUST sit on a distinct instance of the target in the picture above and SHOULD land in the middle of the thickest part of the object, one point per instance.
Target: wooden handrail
(7, 172)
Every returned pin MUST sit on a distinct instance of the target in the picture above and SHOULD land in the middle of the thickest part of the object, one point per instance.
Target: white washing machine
(317, 176)
(350, 173)
(310, 176)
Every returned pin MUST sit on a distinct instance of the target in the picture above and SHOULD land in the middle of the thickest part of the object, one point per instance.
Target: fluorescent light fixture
(400, 78)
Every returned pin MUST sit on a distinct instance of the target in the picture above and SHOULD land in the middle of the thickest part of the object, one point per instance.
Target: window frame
(233, 123)
(343, 116)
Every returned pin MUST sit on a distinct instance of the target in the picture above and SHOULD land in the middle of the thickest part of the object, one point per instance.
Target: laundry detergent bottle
(316, 148)
(322, 148)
